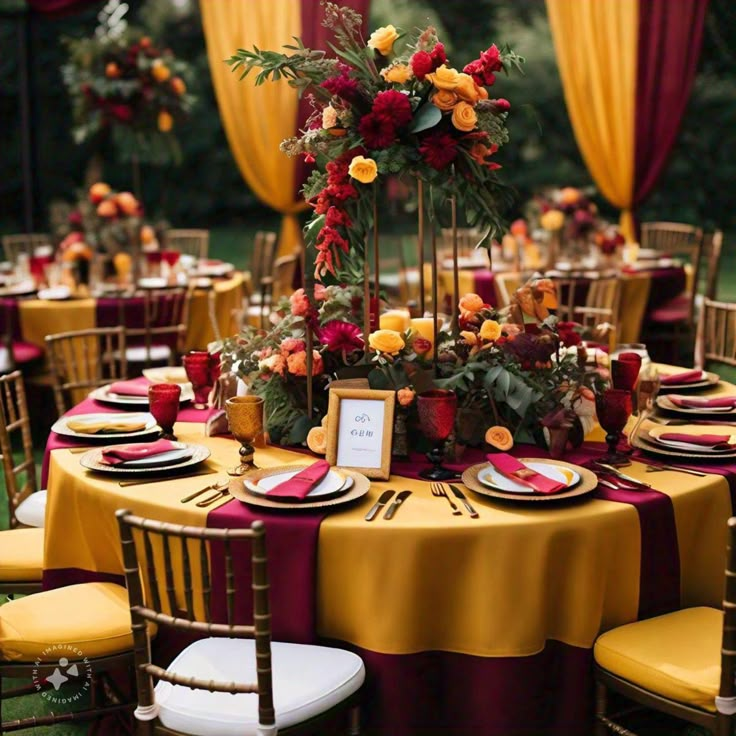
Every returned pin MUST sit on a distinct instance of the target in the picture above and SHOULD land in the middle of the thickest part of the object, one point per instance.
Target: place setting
(132, 393)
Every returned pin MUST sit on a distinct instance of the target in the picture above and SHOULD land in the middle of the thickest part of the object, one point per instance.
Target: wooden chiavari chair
(84, 359)
(26, 504)
(261, 265)
(17, 243)
(189, 242)
(21, 561)
(672, 663)
(591, 302)
(672, 238)
(712, 250)
(505, 284)
(219, 667)
(716, 334)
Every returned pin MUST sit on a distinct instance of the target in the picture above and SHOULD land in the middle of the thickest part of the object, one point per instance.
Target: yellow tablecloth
(39, 317)
(499, 585)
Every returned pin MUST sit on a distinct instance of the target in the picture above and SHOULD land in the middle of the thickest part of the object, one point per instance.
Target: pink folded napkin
(713, 441)
(124, 453)
(129, 388)
(685, 377)
(701, 402)
(302, 483)
(510, 467)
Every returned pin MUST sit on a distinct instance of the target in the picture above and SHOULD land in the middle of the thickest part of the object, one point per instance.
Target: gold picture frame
(360, 430)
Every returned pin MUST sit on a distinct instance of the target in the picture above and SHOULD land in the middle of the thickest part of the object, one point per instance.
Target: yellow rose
(386, 341)
(444, 99)
(382, 40)
(552, 220)
(398, 73)
(467, 89)
(490, 330)
(363, 169)
(444, 78)
(570, 195)
(470, 337)
(159, 71)
(165, 121)
(464, 117)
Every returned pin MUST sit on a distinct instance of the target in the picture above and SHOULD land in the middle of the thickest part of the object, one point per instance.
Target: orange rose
(470, 305)
(464, 117)
(127, 203)
(397, 73)
(107, 208)
(444, 78)
(178, 86)
(570, 195)
(444, 99)
(405, 396)
(500, 438)
(519, 227)
(317, 440)
(112, 70)
(148, 235)
(470, 337)
(159, 71)
(490, 330)
(98, 192)
(467, 89)
(296, 363)
(165, 121)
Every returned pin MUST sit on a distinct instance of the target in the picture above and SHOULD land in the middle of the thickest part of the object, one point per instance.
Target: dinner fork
(439, 491)
(220, 492)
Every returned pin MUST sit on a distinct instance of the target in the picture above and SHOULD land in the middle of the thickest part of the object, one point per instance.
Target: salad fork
(439, 491)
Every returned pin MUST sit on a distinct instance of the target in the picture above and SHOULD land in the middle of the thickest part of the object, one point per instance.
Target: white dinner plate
(153, 282)
(55, 293)
(334, 482)
(187, 455)
(492, 478)
(60, 426)
(105, 396)
(214, 269)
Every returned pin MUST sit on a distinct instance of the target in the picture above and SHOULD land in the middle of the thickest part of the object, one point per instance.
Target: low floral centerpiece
(386, 107)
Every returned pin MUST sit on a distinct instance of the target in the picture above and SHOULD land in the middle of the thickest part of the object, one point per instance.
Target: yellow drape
(257, 119)
(596, 47)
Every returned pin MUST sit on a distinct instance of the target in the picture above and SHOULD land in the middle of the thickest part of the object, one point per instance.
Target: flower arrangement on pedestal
(381, 110)
(122, 81)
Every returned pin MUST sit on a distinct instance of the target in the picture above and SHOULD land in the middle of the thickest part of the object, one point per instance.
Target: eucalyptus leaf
(427, 116)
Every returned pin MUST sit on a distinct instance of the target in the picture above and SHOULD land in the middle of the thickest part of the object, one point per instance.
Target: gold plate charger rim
(711, 379)
(587, 484)
(91, 461)
(663, 402)
(361, 486)
(640, 443)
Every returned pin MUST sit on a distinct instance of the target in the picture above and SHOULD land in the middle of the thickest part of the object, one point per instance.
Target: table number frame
(380, 471)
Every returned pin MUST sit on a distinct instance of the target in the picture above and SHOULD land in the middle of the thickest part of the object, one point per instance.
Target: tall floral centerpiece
(121, 81)
(385, 107)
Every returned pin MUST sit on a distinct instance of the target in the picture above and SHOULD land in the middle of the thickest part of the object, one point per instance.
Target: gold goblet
(245, 417)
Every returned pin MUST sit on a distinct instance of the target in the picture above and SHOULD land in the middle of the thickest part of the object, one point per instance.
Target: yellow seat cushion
(677, 655)
(21, 555)
(92, 617)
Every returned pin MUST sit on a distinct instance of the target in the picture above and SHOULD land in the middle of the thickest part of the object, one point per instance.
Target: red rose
(421, 64)
(501, 105)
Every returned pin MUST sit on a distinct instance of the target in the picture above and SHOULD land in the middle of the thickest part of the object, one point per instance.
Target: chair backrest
(589, 301)
(190, 242)
(204, 553)
(675, 238)
(712, 249)
(282, 278)
(505, 284)
(717, 333)
(727, 687)
(84, 359)
(262, 259)
(15, 422)
(26, 243)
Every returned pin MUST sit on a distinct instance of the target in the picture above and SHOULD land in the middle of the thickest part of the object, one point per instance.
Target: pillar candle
(394, 319)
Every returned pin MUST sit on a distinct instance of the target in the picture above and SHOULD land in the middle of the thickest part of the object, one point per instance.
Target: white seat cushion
(32, 510)
(307, 680)
(139, 354)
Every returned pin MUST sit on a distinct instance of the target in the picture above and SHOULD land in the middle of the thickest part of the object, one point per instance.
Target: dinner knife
(459, 494)
(378, 505)
(623, 476)
(394, 507)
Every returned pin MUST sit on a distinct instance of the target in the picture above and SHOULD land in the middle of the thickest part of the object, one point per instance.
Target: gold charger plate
(361, 486)
(587, 484)
(711, 379)
(641, 442)
(663, 402)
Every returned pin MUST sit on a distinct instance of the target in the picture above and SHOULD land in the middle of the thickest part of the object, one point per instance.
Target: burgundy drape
(316, 36)
(670, 36)
(59, 7)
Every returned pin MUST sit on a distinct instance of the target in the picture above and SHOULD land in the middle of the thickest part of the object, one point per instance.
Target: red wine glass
(197, 367)
(437, 409)
(163, 400)
(613, 408)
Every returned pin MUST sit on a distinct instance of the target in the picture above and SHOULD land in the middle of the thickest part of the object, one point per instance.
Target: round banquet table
(40, 317)
(642, 291)
(480, 626)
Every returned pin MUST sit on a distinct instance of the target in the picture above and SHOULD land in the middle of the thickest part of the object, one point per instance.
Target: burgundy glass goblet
(197, 367)
(613, 408)
(153, 262)
(170, 257)
(163, 400)
(437, 409)
(625, 370)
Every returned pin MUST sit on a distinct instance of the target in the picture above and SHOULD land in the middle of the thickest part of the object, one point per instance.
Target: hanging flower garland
(121, 81)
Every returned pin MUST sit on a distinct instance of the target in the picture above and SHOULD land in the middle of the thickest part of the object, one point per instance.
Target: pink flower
(339, 336)
(299, 303)
(293, 345)
(320, 292)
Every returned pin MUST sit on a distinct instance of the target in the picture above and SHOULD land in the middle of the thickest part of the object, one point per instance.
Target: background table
(472, 626)
(39, 317)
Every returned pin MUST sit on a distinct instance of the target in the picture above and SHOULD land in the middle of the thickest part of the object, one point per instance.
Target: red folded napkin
(510, 467)
(129, 388)
(124, 453)
(302, 483)
(701, 402)
(685, 377)
(714, 441)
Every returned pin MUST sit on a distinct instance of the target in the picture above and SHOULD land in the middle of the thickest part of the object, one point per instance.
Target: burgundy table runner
(484, 287)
